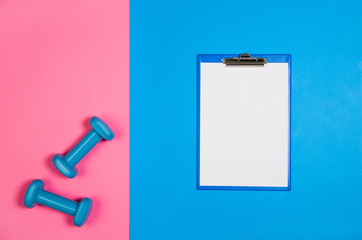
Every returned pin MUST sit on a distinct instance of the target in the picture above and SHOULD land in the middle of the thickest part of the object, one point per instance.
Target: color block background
(324, 39)
(53, 55)
(62, 62)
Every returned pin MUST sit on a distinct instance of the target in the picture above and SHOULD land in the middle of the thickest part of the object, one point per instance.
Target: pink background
(62, 62)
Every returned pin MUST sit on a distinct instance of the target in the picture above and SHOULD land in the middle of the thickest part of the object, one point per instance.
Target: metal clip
(244, 59)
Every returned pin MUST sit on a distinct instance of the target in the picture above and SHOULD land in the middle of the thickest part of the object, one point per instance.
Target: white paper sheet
(244, 125)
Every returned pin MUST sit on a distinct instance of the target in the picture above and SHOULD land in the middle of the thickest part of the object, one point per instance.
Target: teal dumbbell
(66, 164)
(36, 194)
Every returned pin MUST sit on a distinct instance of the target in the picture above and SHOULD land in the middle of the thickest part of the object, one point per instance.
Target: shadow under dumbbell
(93, 217)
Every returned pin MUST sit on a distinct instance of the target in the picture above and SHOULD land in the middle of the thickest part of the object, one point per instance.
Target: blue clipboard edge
(272, 58)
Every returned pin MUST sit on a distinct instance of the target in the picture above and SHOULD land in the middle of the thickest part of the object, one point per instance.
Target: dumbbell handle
(57, 202)
(82, 148)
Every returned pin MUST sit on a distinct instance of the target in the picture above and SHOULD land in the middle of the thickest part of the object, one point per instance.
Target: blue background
(325, 40)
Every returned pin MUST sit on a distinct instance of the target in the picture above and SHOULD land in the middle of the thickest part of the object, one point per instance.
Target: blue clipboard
(218, 58)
